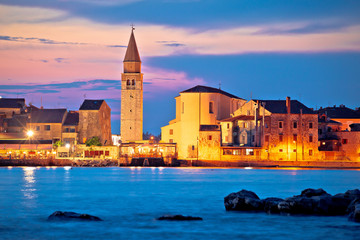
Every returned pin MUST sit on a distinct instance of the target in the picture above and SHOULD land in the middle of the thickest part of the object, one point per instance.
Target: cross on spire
(132, 26)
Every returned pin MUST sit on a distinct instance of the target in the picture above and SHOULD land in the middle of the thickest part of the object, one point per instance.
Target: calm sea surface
(130, 199)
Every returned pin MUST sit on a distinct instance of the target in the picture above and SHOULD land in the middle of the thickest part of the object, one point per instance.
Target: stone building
(345, 116)
(94, 120)
(70, 128)
(11, 106)
(197, 108)
(46, 124)
(274, 129)
(132, 94)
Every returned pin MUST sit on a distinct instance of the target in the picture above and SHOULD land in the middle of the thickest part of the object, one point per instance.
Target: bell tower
(132, 94)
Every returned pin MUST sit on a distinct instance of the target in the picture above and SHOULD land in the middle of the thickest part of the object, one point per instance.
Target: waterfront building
(271, 130)
(46, 124)
(132, 94)
(345, 116)
(198, 111)
(95, 121)
(11, 106)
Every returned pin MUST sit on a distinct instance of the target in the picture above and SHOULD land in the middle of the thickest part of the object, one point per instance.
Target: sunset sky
(66, 50)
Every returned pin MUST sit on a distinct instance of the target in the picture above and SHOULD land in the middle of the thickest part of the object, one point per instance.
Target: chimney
(288, 107)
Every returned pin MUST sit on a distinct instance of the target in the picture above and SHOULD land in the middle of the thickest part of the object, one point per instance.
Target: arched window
(133, 82)
(128, 82)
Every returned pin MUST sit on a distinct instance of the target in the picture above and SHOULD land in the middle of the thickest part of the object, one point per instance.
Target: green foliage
(57, 144)
(94, 141)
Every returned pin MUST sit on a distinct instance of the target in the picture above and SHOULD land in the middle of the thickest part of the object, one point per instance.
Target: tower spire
(132, 53)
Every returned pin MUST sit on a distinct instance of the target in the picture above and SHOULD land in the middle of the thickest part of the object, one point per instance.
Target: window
(228, 125)
(280, 150)
(72, 129)
(37, 128)
(344, 141)
(281, 137)
(310, 152)
(266, 138)
(294, 150)
(310, 138)
(133, 82)
(211, 107)
(295, 124)
(209, 137)
(193, 147)
(310, 126)
(171, 132)
(253, 138)
(320, 131)
(130, 110)
(47, 127)
(248, 112)
(183, 107)
(266, 125)
(280, 124)
(249, 151)
(295, 137)
(171, 140)
(128, 82)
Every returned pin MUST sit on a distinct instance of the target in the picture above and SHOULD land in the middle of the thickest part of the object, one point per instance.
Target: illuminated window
(280, 124)
(249, 151)
(310, 138)
(47, 127)
(171, 132)
(281, 137)
(295, 124)
(211, 107)
(209, 137)
(310, 125)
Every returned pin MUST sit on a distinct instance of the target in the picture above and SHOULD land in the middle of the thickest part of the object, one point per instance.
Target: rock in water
(243, 201)
(355, 214)
(309, 192)
(58, 215)
(179, 218)
(271, 204)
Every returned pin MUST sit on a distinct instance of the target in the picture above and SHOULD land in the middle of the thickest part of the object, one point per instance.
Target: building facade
(95, 121)
(132, 94)
(196, 108)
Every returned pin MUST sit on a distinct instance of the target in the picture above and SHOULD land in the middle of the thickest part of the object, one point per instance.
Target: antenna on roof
(220, 84)
(132, 26)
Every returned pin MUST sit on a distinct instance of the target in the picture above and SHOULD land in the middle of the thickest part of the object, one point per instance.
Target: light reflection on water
(130, 199)
(29, 190)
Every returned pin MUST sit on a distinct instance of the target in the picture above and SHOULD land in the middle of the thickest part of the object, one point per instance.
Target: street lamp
(30, 133)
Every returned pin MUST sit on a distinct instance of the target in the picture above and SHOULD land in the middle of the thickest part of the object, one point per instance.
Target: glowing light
(67, 145)
(248, 168)
(10, 167)
(67, 168)
(30, 133)
(54, 152)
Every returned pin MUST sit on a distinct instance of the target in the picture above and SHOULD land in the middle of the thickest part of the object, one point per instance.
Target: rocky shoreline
(309, 202)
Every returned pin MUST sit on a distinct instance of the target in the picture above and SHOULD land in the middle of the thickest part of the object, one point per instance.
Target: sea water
(130, 199)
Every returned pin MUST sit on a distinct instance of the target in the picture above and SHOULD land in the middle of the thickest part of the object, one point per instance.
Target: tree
(57, 144)
(94, 141)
